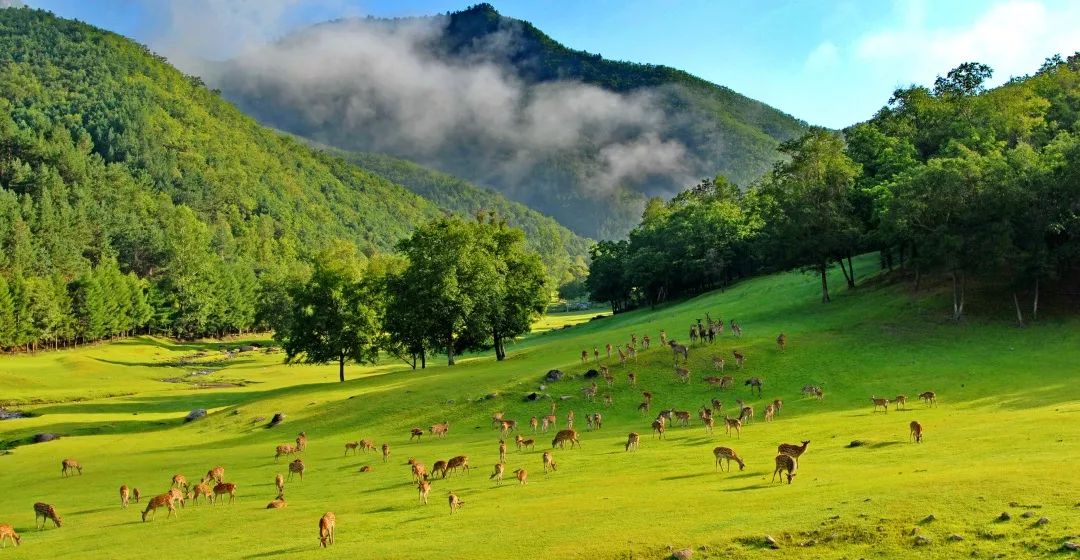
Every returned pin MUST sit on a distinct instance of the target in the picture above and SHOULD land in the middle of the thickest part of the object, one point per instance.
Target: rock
(1027, 514)
(6, 414)
(1014, 504)
(532, 396)
(278, 418)
(195, 415)
(248, 348)
(42, 438)
(810, 542)
(490, 396)
(592, 374)
(929, 518)
(921, 541)
(1069, 545)
(955, 538)
(234, 413)
(543, 387)
(856, 443)
(771, 542)
(684, 554)
(1042, 521)
(1004, 516)
(553, 375)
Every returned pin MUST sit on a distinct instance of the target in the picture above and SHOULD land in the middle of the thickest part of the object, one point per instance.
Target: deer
(736, 330)
(677, 349)
(644, 407)
(502, 449)
(728, 454)
(496, 419)
(7, 532)
(770, 412)
(508, 426)
(718, 363)
(203, 489)
(777, 405)
(455, 503)
(795, 451)
(570, 420)
(632, 441)
(440, 430)
(439, 468)
(633, 339)
(354, 446)
(658, 428)
(717, 406)
(498, 474)
(622, 355)
(648, 396)
(564, 436)
(156, 502)
(419, 472)
(178, 496)
(279, 482)
(929, 397)
(135, 495)
(301, 441)
(178, 481)
(900, 400)
(596, 354)
(727, 382)
(693, 334)
(125, 494)
(632, 379)
(223, 488)
(284, 449)
(459, 462)
(682, 417)
(522, 442)
(683, 374)
(755, 382)
(631, 352)
(882, 403)
(423, 487)
(645, 342)
(608, 348)
(278, 503)
(549, 462)
(365, 469)
(916, 431)
(608, 400)
(589, 392)
(785, 463)
(534, 423)
(584, 356)
(46, 512)
(522, 476)
(549, 421)
(781, 341)
(326, 529)
(708, 422)
(69, 466)
(385, 452)
(415, 433)
(608, 377)
(746, 414)
(740, 359)
(733, 424)
(597, 421)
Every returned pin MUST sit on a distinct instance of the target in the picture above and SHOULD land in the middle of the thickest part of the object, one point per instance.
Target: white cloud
(1013, 37)
(823, 56)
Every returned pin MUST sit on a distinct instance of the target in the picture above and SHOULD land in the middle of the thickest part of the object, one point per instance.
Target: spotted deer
(718, 363)
(693, 334)
(683, 374)
(327, 524)
(549, 462)
(645, 342)
(733, 424)
(69, 466)
(717, 406)
(549, 421)
(682, 418)
(740, 359)
(881, 403)
(781, 341)
(534, 423)
(678, 349)
(203, 489)
(440, 430)
(900, 400)
(301, 441)
(632, 379)
(568, 435)
(7, 532)
(223, 488)
(632, 441)
(385, 452)
(589, 392)
(755, 383)
(279, 482)
(929, 397)
(631, 352)
(644, 407)
(498, 474)
(455, 503)
(164, 500)
(502, 449)
(284, 449)
(523, 443)
(522, 476)
(178, 496)
(736, 329)
(622, 355)
(785, 463)
(459, 462)
(508, 426)
(368, 445)
(770, 412)
(439, 468)
(608, 377)
(278, 502)
(570, 420)
(352, 446)
(659, 428)
(125, 495)
(708, 422)
(608, 348)
(178, 481)
(419, 471)
(415, 433)
(777, 405)
(135, 495)
(663, 338)
(423, 487)
(916, 431)
(746, 414)
(728, 454)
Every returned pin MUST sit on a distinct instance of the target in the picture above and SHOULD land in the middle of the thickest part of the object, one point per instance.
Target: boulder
(195, 415)
(921, 541)
(592, 374)
(1004, 516)
(278, 418)
(553, 375)
(684, 554)
(532, 396)
(856, 443)
(955, 538)
(771, 542)
(42, 438)
(1042, 521)
(1069, 545)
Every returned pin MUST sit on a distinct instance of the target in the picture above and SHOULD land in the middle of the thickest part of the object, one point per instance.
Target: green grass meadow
(1003, 437)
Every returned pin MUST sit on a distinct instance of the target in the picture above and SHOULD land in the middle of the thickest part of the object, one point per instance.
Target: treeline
(951, 179)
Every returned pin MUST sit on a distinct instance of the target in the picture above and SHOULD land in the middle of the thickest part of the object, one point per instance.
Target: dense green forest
(132, 197)
(951, 180)
(634, 111)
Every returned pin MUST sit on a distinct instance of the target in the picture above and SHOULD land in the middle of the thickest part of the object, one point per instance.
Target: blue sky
(829, 63)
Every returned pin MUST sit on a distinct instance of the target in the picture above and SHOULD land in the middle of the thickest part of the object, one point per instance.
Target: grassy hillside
(1000, 439)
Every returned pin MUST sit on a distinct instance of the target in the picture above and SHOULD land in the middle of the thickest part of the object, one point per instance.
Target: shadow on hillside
(685, 476)
(172, 364)
(281, 552)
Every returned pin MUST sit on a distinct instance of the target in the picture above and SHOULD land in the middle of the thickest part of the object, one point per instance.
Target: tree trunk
(500, 351)
(341, 367)
(847, 277)
(851, 269)
(423, 359)
(958, 295)
(824, 283)
(450, 353)
(1035, 306)
(918, 277)
(1019, 316)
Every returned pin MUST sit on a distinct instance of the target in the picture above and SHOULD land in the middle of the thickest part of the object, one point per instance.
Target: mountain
(497, 102)
(114, 163)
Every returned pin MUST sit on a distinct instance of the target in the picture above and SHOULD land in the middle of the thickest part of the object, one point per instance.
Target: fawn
(326, 529)
(423, 487)
(785, 463)
(728, 454)
(7, 532)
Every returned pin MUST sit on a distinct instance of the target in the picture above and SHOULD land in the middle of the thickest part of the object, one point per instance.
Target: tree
(607, 274)
(7, 316)
(520, 292)
(333, 317)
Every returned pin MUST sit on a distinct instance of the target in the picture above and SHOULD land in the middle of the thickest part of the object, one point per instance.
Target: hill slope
(996, 441)
(498, 102)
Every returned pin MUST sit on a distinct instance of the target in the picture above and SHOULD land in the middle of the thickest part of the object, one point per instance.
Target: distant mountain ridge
(497, 102)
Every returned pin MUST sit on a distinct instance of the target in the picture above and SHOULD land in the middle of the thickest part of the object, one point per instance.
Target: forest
(951, 179)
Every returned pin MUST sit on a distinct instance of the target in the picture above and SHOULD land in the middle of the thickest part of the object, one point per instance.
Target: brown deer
(781, 341)
(570, 420)
(728, 454)
(508, 426)
(597, 421)
(125, 495)
(423, 487)
(365, 468)
(179, 481)
(683, 374)
(736, 329)
(564, 436)
(622, 355)
(663, 338)
(770, 412)
(135, 495)
(916, 431)
(551, 421)
(659, 428)
(726, 382)
(498, 474)
(608, 348)
(69, 466)
(740, 359)
(534, 423)
(900, 400)
(718, 363)
(608, 377)
(45, 512)
(369, 445)
(385, 452)
(301, 441)
(717, 406)
(608, 400)
(522, 442)
(416, 433)
(596, 354)
(785, 463)
(648, 396)
(326, 529)
(677, 349)
(203, 489)
(223, 488)
(459, 462)
(631, 352)
(633, 339)
(880, 403)
(497, 419)
(278, 503)
(549, 462)
(778, 404)
(502, 449)
(755, 383)
(708, 422)
(693, 334)
(156, 502)
(632, 441)
(792, 449)
(419, 471)
(455, 503)
(522, 476)
(929, 397)
(746, 413)
(644, 407)
(279, 482)
(682, 417)
(439, 468)
(352, 445)
(645, 342)
(632, 379)
(178, 496)
(7, 532)
(584, 356)
(733, 424)
(284, 449)
(589, 392)
(440, 430)
(297, 467)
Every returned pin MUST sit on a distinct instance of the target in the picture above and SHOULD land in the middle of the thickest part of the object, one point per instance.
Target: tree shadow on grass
(685, 476)
(87, 511)
(282, 551)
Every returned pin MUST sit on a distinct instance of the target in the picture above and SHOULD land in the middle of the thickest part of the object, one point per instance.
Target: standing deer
(301, 441)
(413, 433)
(792, 449)
(7, 532)
(718, 363)
(736, 329)
(632, 379)
(525, 443)
(785, 463)
(733, 423)
(693, 334)
(156, 502)
(596, 354)
(178, 481)
(584, 356)
(608, 348)
(663, 338)
(683, 374)
(739, 358)
(326, 529)
(135, 495)
(549, 421)
(658, 428)
(717, 406)
(502, 449)
(777, 405)
(124, 495)
(645, 342)
(203, 489)
(45, 512)
(728, 454)
(631, 351)
(455, 503)
(423, 487)
(549, 462)
(564, 436)
(622, 356)
(900, 400)
(283, 449)
(498, 474)
(522, 476)
(916, 431)
(632, 441)
(440, 430)
(69, 466)
(929, 397)
(223, 488)
(608, 400)
(746, 413)
(279, 482)
(352, 445)
(459, 462)
(781, 341)
(678, 349)
(708, 422)
(608, 377)
(534, 423)
(880, 403)
(385, 452)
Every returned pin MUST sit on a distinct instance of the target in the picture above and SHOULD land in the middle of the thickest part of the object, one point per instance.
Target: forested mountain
(132, 195)
(496, 101)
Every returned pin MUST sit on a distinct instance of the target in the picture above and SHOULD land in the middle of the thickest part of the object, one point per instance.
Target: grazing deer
(632, 379)
(929, 397)
(459, 462)
(203, 489)
(216, 474)
(229, 488)
(739, 358)
(770, 412)
(498, 474)
(352, 445)
(900, 400)
(423, 487)
(502, 449)
(708, 422)
(746, 414)
(781, 341)
(278, 503)
(785, 463)
(608, 377)
(178, 496)
(792, 449)
(590, 392)
(135, 495)
(326, 529)
(584, 356)
(551, 421)
(522, 442)
(179, 481)
(880, 402)
(69, 466)
(682, 417)
(643, 407)
(916, 431)
(508, 426)
(156, 502)
(7, 532)
(564, 436)
(279, 482)
(728, 454)
(125, 494)
(677, 349)
(419, 472)
(385, 452)
(45, 512)
(416, 433)
(368, 445)
(755, 382)
(717, 406)
(645, 342)
(301, 441)
(727, 382)
(522, 476)
(733, 423)
(683, 374)
(736, 329)
(718, 363)
(439, 468)
(534, 423)
(440, 430)
(608, 348)
(712, 380)
(658, 428)
(549, 462)
(631, 351)
(570, 420)
(632, 441)
(622, 356)
(284, 449)
(608, 400)
(455, 503)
